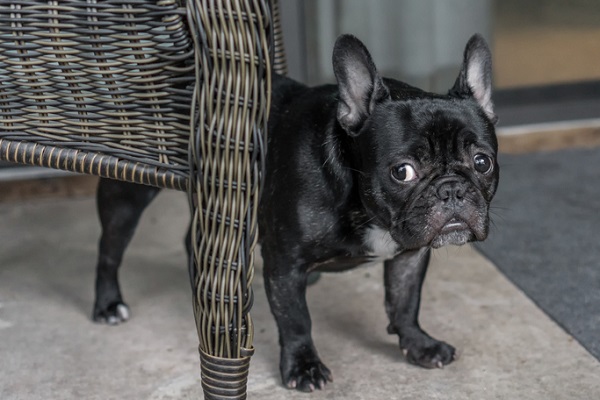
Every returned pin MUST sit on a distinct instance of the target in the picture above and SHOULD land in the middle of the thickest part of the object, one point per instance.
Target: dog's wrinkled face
(429, 172)
(428, 162)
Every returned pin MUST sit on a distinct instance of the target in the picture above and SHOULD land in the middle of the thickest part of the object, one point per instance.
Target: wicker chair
(168, 93)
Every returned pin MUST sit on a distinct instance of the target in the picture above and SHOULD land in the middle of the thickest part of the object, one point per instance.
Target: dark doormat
(546, 235)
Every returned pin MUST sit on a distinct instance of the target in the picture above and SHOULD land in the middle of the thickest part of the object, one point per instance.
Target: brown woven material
(279, 59)
(167, 93)
(110, 77)
(91, 163)
(224, 378)
(232, 98)
(229, 157)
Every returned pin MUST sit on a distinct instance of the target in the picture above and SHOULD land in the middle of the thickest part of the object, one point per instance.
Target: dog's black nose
(451, 190)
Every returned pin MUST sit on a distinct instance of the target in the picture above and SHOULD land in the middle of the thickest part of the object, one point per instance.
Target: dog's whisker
(355, 170)
(363, 223)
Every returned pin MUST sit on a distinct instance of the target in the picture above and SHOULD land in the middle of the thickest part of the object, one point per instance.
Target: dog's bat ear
(360, 85)
(475, 77)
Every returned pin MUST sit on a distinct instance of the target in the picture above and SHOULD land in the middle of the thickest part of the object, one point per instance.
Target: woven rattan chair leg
(233, 48)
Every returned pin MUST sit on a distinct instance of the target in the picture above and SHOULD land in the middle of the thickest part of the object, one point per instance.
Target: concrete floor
(49, 349)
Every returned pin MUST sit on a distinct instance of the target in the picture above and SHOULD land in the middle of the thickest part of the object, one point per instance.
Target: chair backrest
(102, 88)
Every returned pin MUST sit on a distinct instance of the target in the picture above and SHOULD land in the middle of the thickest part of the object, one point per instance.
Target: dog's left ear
(360, 85)
(475, 77)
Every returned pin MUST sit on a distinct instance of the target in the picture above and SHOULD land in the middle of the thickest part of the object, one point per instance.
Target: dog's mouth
(455, 231)
(440, 226)
(454, 224)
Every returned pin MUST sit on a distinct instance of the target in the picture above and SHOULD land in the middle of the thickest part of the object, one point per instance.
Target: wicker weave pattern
(229, 154)
(161, 93)
(227, 158)
(97, 164)
(279, 58)
(111, 77)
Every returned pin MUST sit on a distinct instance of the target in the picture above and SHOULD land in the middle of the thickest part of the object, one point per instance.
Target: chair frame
(173, 94)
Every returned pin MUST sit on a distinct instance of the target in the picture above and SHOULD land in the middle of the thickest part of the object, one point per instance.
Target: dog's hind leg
(120, 205)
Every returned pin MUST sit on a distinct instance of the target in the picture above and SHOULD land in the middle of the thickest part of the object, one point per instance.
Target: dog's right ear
(359, 83)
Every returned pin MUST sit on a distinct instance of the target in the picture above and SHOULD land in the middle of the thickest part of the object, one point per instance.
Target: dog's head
(427, 163)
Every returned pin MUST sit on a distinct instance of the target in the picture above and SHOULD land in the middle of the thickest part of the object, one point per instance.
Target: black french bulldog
(371, 168)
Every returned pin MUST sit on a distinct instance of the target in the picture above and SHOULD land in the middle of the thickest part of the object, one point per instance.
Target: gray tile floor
(49, 349)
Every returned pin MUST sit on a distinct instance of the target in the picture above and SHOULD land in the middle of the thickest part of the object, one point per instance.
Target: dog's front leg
(300, 365)
(404, 277)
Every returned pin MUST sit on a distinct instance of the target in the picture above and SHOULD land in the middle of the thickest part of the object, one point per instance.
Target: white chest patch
(379, 243)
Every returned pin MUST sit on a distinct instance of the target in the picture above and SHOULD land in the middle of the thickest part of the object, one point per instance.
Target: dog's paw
(427, 352)
(307, 376)
(114, 314)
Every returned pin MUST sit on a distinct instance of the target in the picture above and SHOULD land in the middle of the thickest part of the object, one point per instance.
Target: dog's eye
(403, 173)
(483, 163)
